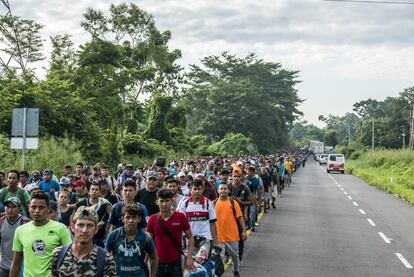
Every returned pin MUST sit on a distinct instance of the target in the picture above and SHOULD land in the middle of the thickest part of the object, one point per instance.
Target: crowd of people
(165, 219)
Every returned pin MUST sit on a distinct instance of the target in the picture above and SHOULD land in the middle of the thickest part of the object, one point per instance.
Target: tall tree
(243, 95)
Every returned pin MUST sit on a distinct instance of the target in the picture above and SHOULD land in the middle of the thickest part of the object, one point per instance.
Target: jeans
(170, 270)
(232, 248)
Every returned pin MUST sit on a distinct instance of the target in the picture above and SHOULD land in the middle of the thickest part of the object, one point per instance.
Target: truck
(316, 147)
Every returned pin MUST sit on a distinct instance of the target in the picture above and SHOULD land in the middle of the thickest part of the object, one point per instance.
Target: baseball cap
(210, 162)
(129, 166)
(14, 200)
(200, 176)
(86, 213)
(152, 174)
(137, 174)
(239, 163)
(79, 183)
(237, 171)
(48, 172)
(181, 174)
(64, 181)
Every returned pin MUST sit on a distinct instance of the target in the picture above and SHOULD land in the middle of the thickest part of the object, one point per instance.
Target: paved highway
(332, 225)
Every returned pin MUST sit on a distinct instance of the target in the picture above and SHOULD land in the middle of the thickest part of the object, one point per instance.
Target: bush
(53, 153)
(134, 144)
(232, 144)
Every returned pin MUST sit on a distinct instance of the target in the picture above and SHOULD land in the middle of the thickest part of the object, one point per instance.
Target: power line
(372, 2)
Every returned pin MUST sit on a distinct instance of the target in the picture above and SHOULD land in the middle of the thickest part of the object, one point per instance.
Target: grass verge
(389, 170)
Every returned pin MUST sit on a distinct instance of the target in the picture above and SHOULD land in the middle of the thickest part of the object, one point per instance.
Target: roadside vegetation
(390, 170)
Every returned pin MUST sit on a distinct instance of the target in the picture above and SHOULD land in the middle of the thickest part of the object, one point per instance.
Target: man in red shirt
(166, 228)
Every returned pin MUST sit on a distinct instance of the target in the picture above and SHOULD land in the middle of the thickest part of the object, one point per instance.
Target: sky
(345, 52)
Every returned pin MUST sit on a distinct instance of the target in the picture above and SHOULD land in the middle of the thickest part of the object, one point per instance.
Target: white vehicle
(317, 156)
(336, 162)
(323, 159)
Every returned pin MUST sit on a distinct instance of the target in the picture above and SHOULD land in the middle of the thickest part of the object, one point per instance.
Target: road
(332, 225)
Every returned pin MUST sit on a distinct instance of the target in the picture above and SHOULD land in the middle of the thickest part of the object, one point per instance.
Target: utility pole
(411, 140)
(403, 136)
(349, 134)
(373, 135)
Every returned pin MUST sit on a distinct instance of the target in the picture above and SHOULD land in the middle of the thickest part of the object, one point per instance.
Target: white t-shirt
(199, 215)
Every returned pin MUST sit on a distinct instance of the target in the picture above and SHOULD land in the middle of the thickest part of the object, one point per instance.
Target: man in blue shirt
(129, 245)
(129, 189)
(49, 185)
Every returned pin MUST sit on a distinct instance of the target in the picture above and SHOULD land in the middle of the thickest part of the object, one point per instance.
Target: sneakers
(273, 205)
(241, 263)
(236, 274)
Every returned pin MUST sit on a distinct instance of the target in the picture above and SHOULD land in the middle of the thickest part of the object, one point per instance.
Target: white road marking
(349, 197)
(355, 203)
(362, 211)
(403, 260)
(339, 186)
(387, 240)
(353, 192)
(371, 222)
(345, 193)
(342, 188)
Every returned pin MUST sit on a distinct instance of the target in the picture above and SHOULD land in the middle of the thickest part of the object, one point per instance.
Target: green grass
(389, 170)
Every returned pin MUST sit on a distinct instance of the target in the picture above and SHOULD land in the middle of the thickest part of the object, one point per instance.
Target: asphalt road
(332, 225)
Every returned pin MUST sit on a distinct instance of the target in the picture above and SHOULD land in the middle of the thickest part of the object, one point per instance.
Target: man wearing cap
(49, 185)
(183, 184)
(103, 209)
(8, 225)
(80, 190)
(64, 184)
(82, 257)
(128, 174)
(12, 190)
(36, 240)
(148, 195)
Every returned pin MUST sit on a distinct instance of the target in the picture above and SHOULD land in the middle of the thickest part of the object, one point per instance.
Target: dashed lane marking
(384, 237)
(349, 197)
(403, 260)
(355, 204)
(345, 193)
(371, 222)
(362, 211)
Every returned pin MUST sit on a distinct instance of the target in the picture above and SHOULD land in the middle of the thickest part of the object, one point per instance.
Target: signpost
(25, 130)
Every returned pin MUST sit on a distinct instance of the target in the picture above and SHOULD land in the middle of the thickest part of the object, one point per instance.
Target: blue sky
(346, 52)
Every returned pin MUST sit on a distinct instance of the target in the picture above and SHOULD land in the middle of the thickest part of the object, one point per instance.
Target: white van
(323, 159)
(336, 162)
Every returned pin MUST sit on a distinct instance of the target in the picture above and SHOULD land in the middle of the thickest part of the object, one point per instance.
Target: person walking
(228, 225)
(36, 240)
(83, 257)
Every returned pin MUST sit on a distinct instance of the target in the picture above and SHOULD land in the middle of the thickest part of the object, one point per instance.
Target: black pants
(170, 270)
(241, 248)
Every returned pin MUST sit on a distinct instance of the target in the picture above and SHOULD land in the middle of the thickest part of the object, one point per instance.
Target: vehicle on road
(323, 159)
(336, 162)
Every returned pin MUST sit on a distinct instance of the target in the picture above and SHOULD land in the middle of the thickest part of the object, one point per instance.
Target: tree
(21, 41)
(242, 95)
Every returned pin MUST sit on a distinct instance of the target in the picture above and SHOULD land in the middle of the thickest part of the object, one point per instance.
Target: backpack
(100, 260)
(117, 233)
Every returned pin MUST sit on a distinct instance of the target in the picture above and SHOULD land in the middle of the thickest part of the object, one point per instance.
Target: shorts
(266, 195)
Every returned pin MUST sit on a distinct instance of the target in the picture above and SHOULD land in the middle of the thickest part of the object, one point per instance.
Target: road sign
(250, 147)
(17, 143)
(32, 122)
(25, 129)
